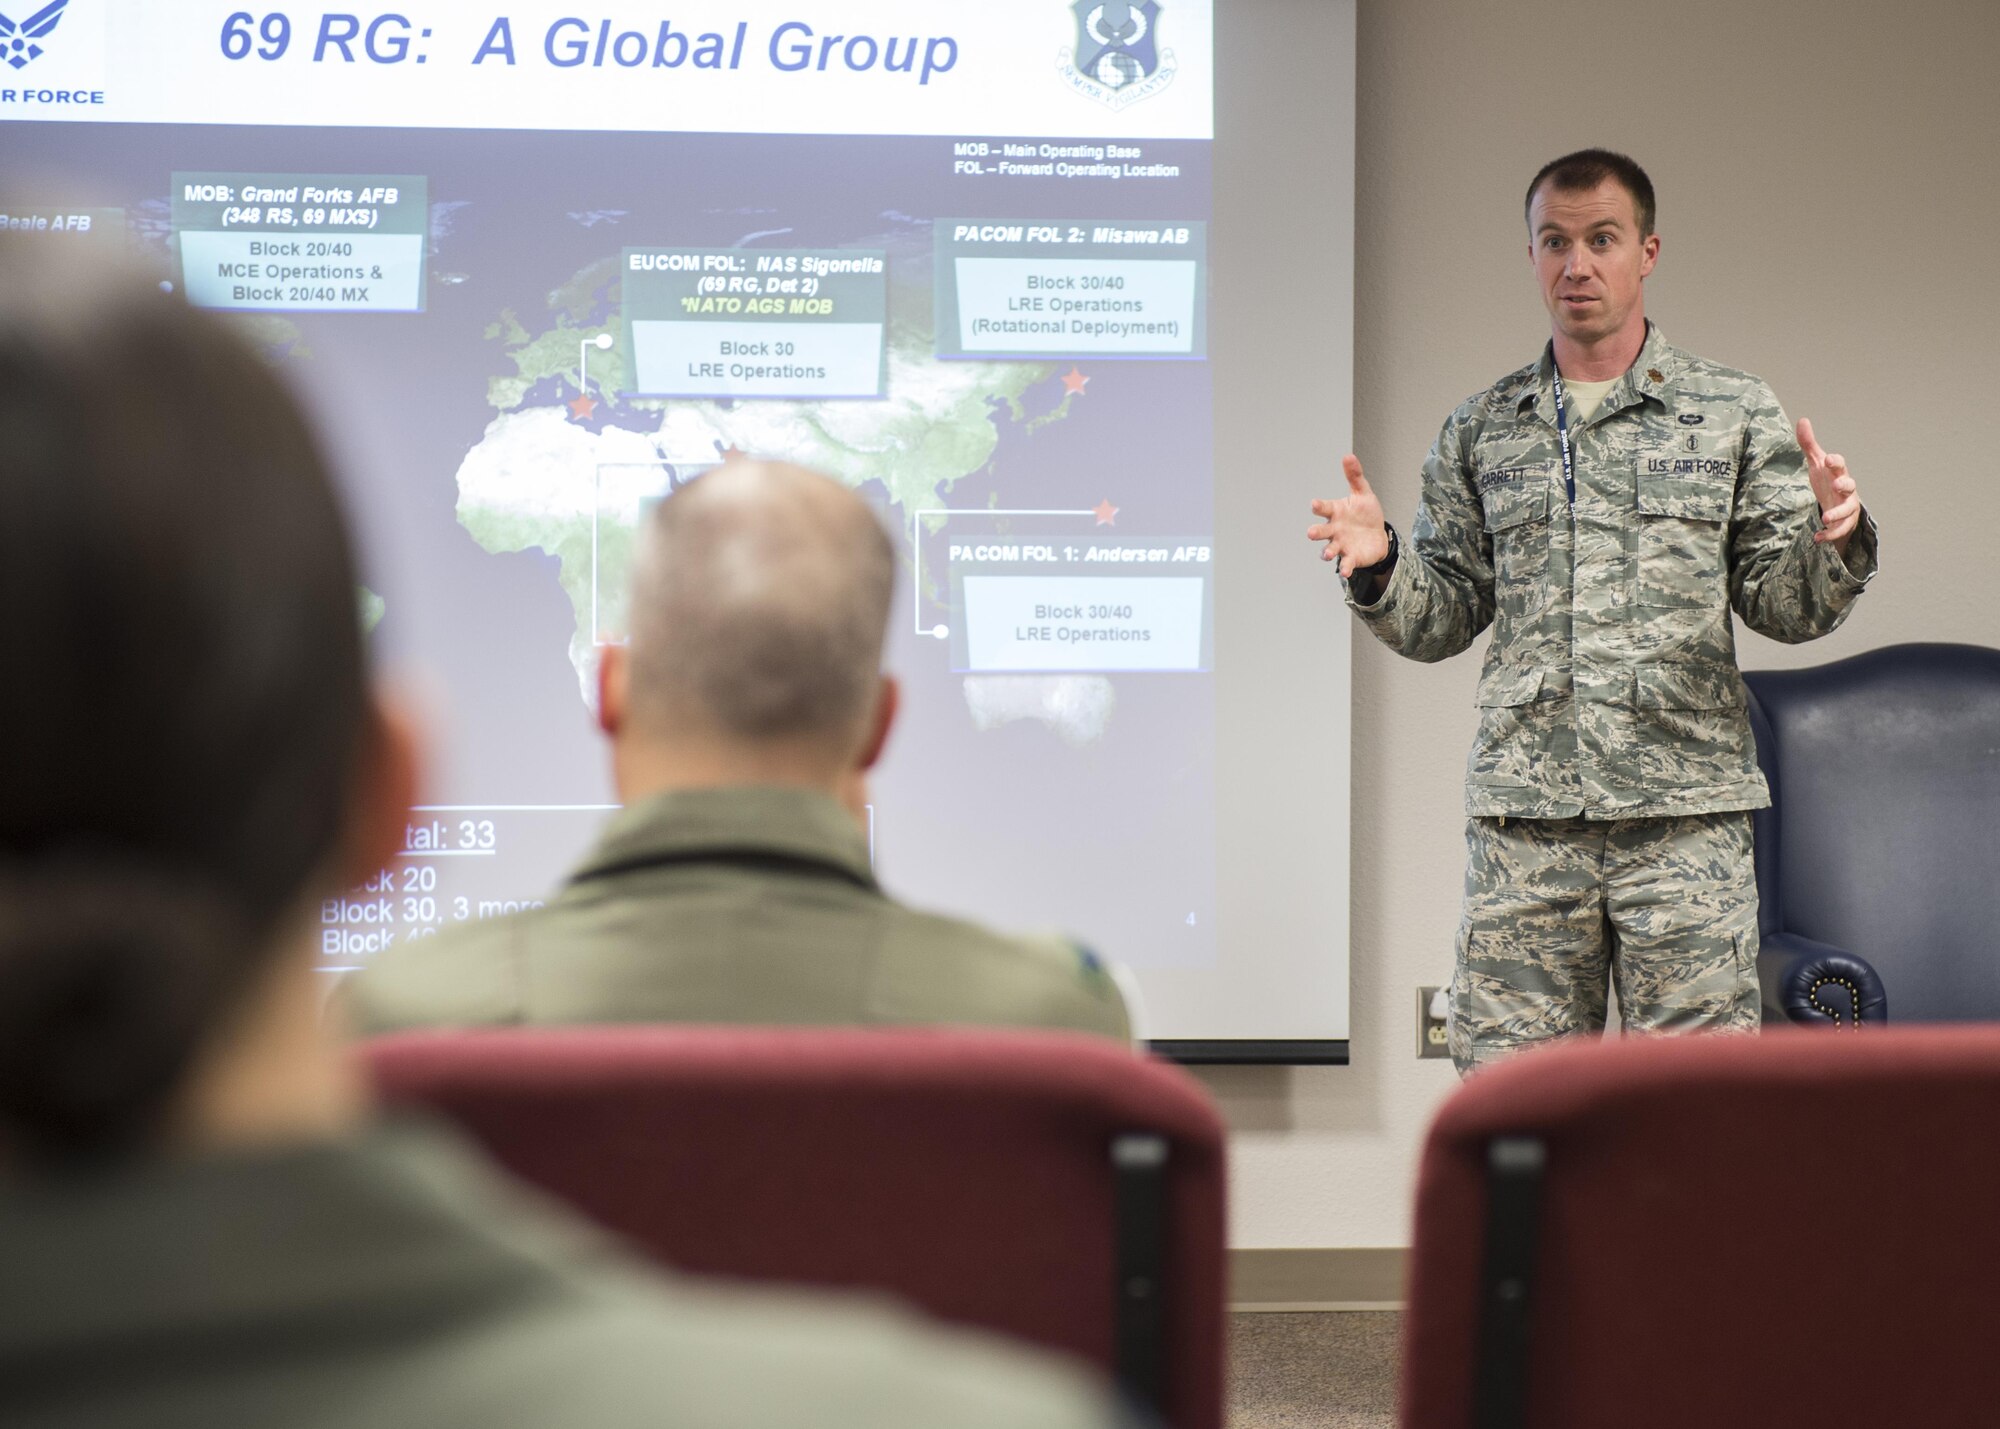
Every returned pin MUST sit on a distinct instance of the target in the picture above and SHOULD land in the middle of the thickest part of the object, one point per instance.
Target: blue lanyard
(1562, 432)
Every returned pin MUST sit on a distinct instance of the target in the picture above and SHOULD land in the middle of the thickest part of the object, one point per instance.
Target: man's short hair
(760, 602)
(1586, 169)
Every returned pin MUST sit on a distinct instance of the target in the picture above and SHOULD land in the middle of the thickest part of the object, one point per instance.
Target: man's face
(1590, 259)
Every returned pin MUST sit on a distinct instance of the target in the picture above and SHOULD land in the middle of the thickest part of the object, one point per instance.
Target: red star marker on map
(1073, 382)
(582, 407)
(1105, 512)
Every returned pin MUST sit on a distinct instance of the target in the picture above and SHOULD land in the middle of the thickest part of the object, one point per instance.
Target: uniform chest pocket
(1680, 555)
(1516, 507)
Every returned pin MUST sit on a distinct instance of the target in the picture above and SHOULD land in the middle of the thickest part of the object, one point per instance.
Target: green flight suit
(742, 905)
(1612, 715)
(388, 1281)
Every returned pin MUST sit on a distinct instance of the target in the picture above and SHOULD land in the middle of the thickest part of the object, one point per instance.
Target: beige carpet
(1313, 1371)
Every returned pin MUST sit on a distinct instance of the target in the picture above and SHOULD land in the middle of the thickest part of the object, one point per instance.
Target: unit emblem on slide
(1117, 58)
(17, 41)
(1115, 42)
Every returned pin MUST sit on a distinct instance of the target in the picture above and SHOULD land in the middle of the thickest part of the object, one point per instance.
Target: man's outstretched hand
(1352, 526)
(1833, 488)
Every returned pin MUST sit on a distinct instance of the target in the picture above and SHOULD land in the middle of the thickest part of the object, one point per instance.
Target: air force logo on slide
(17, 41)
(1117, 58)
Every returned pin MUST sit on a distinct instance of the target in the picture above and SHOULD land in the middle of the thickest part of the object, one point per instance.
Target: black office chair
(1878, 862)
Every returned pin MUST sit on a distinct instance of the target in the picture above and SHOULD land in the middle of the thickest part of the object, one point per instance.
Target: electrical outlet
(1430, 1030)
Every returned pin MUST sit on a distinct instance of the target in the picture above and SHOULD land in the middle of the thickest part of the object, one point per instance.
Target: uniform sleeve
(1782, 582)
(1440, 594)
(465, 978)
(1086, 995)
(936, 969)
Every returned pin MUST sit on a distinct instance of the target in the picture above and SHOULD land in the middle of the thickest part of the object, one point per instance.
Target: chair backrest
(1886, 784)
(1785, 1229)
(1770, 892)
(969, 1171)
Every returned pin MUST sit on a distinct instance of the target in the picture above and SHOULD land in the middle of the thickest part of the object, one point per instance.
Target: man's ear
(1651, 248)
(614, 683)
(385, 788)
(888, 700)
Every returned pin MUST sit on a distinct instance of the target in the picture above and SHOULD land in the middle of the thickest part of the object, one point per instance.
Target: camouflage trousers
(1662, 909)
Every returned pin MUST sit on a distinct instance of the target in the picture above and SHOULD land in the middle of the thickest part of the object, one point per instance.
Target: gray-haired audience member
(735, 886)
(203, 1226)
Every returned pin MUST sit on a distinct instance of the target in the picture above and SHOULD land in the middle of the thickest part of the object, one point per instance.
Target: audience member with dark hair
(202, 1224)
(736, 885)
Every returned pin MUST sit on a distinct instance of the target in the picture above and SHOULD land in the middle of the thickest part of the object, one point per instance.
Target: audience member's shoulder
(609, 1344)
(727, 1357)
(939, 968)
(468, 976)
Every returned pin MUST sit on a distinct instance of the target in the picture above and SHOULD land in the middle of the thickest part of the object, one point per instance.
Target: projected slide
(537, 268)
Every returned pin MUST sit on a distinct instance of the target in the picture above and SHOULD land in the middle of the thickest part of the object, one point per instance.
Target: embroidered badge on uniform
(1090, 968)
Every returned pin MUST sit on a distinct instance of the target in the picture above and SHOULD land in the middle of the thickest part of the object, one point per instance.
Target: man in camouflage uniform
(1604, 509)
(736, 886)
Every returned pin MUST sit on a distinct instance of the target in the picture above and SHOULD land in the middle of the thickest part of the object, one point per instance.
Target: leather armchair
(1878, 862)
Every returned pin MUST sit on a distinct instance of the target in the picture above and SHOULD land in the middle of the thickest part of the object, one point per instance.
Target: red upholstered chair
(1053, 1187)
(1719, 1231)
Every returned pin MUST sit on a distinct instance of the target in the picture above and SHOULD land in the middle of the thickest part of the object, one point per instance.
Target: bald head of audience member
(760, 599)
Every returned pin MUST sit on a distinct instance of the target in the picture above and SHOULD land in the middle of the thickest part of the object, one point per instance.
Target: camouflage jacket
(1610, 688)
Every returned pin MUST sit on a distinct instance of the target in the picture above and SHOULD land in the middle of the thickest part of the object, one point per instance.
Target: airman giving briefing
(1604, 509)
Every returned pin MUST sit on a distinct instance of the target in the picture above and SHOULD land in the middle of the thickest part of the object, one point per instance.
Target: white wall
(1830, 213)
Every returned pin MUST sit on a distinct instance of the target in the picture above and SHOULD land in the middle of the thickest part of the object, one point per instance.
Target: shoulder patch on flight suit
(1090, 969)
